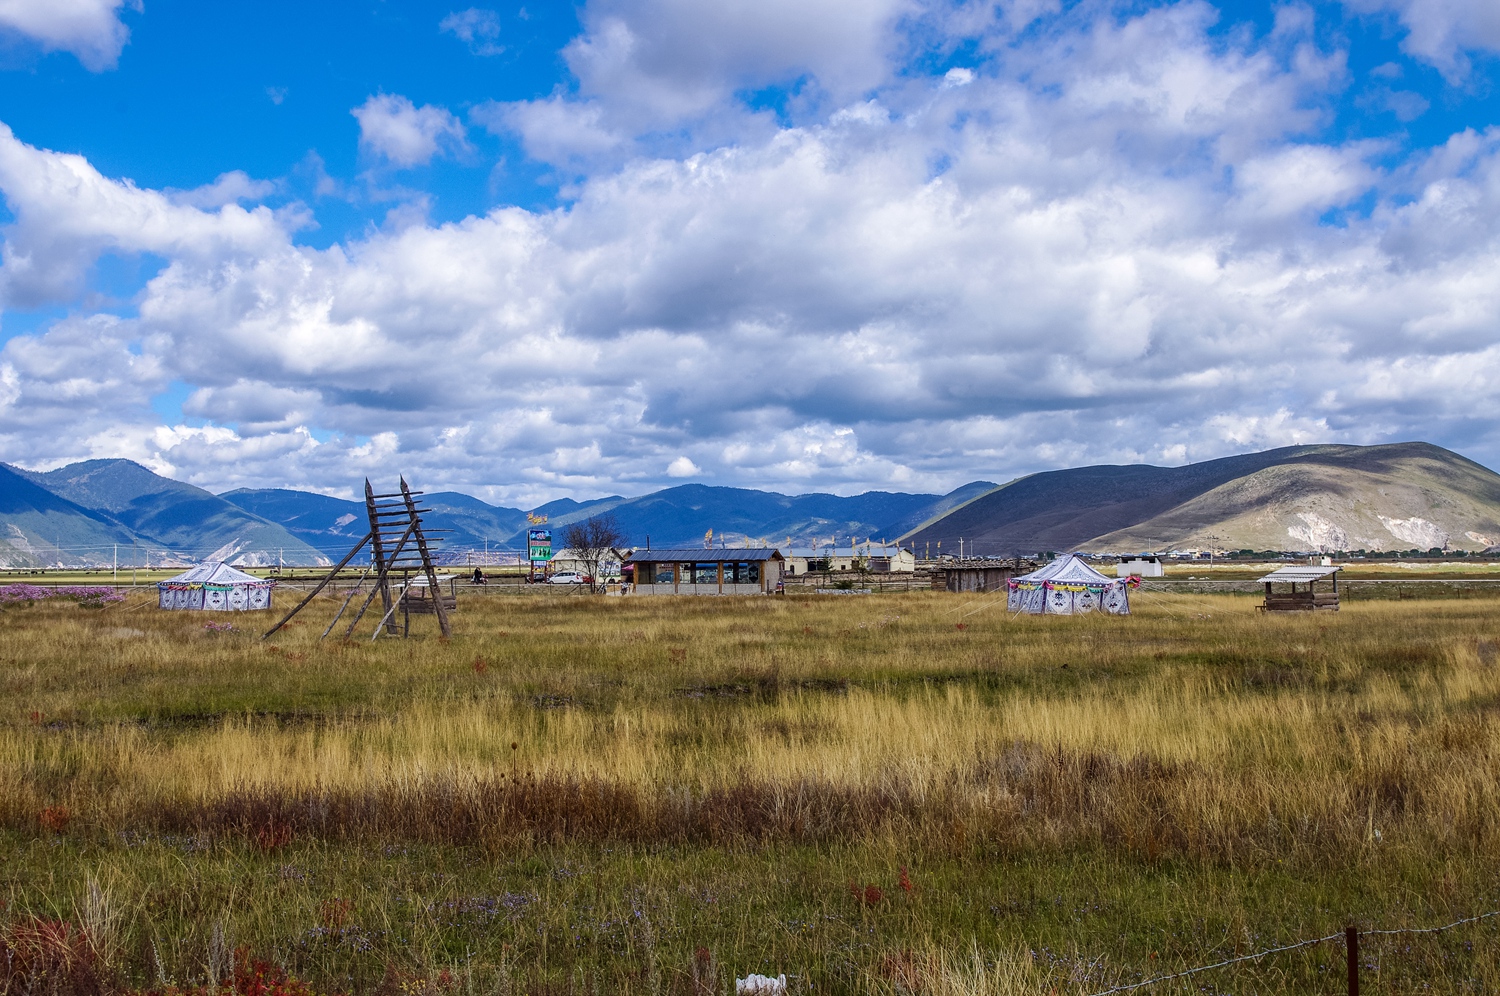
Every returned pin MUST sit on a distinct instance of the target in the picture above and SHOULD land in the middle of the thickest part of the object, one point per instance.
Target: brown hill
(1399, 496)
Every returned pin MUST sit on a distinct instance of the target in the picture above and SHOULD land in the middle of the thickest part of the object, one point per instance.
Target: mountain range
(679, 516)
(1399, 496)
(86, 513)
(99, 510)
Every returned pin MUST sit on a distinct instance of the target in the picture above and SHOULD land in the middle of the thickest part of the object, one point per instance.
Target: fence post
(1351, 950)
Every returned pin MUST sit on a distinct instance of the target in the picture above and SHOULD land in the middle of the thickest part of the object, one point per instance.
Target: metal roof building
(705, 571)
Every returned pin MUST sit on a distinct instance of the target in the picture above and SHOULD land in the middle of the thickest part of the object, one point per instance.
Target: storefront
(705, 572)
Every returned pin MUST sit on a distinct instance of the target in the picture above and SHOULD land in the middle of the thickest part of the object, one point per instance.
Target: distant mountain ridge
(1324, 497)
(38, 527)
(680, 515)
(130, 505)
(1396, 496)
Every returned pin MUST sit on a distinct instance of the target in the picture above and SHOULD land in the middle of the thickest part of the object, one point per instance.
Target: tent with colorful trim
(215, 587)
(1068, 586)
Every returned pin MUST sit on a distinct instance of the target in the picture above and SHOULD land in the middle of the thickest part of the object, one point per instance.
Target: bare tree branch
(593, 541)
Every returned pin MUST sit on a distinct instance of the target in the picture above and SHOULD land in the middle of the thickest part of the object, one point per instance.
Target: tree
(593, 540)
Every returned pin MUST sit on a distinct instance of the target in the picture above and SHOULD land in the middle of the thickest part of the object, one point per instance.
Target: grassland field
(893, 794)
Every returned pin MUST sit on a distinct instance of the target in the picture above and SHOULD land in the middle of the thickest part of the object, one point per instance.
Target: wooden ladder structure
(399, 553)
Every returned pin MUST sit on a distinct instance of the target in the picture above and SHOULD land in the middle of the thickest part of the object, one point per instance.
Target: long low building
(705, 572)
(876, 558)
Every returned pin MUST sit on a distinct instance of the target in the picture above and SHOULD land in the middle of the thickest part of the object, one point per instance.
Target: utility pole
(117, 563)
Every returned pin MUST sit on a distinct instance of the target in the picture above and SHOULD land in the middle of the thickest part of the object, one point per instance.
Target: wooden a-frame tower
(399, 554)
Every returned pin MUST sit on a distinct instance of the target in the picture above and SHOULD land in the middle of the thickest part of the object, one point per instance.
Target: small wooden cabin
(978, 575)
(1295, 589)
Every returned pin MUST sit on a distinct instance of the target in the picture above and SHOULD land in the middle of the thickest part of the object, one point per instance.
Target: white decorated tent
(1068, 586)
(215, 587)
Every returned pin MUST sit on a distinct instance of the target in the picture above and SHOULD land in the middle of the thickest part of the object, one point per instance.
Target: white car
(568, 577)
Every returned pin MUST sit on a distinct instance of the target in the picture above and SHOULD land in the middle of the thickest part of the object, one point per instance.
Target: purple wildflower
(16, 594)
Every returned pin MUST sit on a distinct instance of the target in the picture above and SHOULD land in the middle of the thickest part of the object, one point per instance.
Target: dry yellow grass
(1352, 750)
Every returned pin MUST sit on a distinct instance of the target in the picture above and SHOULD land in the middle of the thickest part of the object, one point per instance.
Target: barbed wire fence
(1350, 934)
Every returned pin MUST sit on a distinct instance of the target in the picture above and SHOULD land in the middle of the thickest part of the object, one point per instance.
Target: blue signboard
(539, 542)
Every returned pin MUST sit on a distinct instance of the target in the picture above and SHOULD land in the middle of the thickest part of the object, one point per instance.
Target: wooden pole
(349, 598)
(432, 581)
(382, 584)
(321, 584)
(401, 600)
(1351, 951)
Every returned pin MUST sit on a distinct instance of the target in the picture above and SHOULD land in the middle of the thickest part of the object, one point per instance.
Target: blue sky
(572, 250)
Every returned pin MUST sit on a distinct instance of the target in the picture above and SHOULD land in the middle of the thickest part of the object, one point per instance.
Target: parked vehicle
(568, 577)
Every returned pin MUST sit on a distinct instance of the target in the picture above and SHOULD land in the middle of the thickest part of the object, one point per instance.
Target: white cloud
(393, 127)
(662, 66)
(958, 76)
(1442, 32)
(90, 29)
(67, 214)
(1104, 247)
(476, 27)
(1303, 178)
(229, 188)
(683, 467)
(552, 130)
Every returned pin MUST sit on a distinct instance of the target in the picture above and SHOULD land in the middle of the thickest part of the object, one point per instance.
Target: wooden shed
(978, 575)
(1301, 592)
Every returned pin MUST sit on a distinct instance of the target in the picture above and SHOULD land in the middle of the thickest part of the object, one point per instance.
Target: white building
(872, 557)
(1141, 565)
(569, 560)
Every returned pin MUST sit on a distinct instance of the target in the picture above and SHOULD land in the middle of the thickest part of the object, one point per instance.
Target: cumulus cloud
(683, 467)
(1442, 32)
(1127, 239)
(90, 29)
(554, 130)
(229, 188)
(67, 215)
(653, 66)
(476, 27)
(404, 134)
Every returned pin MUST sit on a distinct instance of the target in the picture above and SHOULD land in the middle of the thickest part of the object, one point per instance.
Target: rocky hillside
(1400, 496)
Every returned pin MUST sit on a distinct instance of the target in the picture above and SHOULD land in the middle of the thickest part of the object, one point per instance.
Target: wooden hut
(1297, 598)
(978, 575)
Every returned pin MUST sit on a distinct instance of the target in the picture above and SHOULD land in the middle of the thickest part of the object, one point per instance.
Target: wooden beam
(432, 581)
(352, 592)
(381, 585)
(321, 584)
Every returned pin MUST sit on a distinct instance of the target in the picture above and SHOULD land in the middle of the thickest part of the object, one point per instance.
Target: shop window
(742, 573)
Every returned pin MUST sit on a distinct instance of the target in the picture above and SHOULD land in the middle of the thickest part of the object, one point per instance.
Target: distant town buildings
(873, 557)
